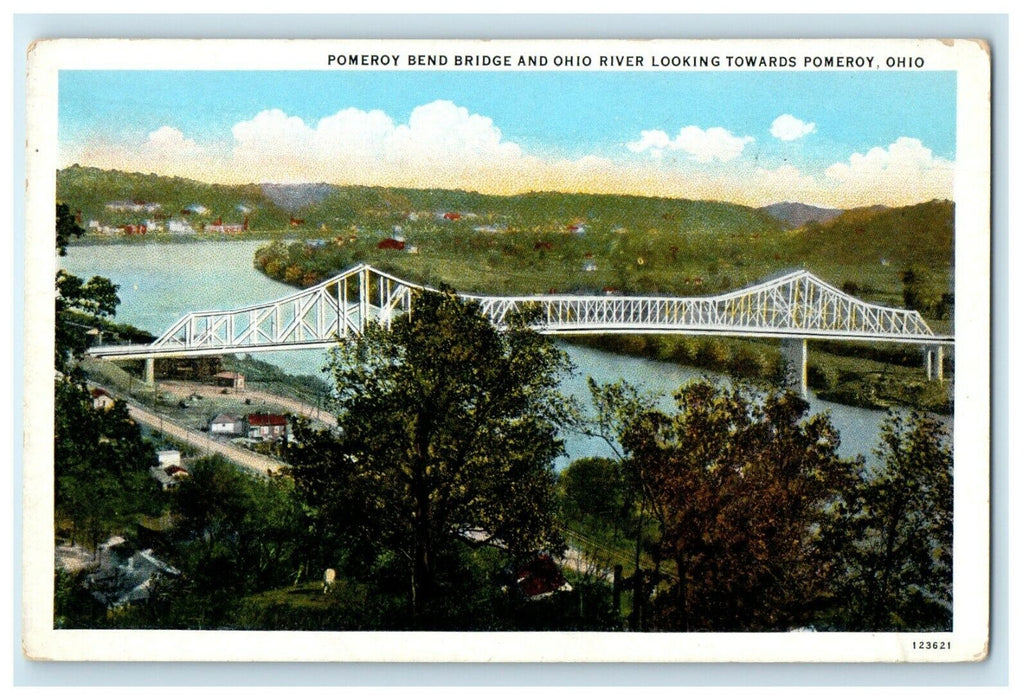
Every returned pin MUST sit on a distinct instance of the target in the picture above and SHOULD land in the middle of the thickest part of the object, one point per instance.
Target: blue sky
(569, 130)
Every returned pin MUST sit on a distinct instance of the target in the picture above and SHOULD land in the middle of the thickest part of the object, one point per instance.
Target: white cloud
(440, 141)
(715, 143)
(169, 142)
(654, 140)
(904, 171)
(443, 145)
(787, 127)
(702, 146)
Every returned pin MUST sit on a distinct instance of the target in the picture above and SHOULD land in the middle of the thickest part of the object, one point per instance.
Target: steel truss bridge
(796, 307)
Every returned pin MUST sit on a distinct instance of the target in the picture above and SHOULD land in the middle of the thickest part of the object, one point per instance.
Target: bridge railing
(795, 305)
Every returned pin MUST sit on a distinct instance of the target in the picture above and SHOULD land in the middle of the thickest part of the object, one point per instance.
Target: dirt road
(183, 389)
(202, 441)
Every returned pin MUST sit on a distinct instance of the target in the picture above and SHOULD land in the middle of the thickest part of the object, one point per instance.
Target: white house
(179, 226)
(169, 458)
(226, 424)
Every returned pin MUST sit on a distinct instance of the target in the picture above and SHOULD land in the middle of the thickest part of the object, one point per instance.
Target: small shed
(231, 380)
(169, 458)
(101, 399)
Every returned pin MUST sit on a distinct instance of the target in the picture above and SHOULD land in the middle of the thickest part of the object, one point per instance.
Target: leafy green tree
(101, 465)
(237, 534)
(592, 491)
(896, 536)
(66, 228)
(615, 407)
(448, 426)
(80, 307)
(740, 486)
(916, 289)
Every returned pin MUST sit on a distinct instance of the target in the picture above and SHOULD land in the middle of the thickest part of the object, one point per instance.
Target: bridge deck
(796, 305)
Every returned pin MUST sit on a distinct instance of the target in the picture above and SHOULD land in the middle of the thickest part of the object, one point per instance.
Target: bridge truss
(797, 305)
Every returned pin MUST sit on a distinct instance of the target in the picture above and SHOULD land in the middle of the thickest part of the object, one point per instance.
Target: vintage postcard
(507, 350)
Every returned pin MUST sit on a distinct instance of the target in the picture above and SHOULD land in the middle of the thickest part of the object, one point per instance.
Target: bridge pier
(933, 362)
(148, 371)
(794, 353)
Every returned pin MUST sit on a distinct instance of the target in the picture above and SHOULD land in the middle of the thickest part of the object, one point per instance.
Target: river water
(160, 283)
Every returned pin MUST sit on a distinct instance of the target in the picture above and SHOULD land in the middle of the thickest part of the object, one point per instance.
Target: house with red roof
(101, 399)
(540, 577)
(266, 426)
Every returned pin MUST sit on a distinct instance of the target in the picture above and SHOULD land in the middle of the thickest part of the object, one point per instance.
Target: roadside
(181, 389)
(245, 458)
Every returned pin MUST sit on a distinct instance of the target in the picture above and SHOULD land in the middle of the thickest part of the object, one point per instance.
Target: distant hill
(297, 197)
(921, 234)
(337, 207)
(794, 214)
(91, 190)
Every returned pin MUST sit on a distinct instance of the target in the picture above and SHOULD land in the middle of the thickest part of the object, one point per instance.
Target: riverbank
(878, 376)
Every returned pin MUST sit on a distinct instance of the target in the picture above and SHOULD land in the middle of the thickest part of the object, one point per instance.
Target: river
(160, 283)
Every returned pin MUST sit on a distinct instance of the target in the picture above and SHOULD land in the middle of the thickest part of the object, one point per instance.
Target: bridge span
(794, 307)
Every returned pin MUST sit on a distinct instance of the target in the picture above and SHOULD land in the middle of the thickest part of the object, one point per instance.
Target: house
(266, 426)
(540, 578)
(232, 380)
(218, 227)
(589, 266)
(123, 577)
(169, 458)
(452, 216)
(169, 477)
(226, 424)
(295, 222)
(179, 226)
(390, 244)
(101, 399)
(137, 206)
(577, 228)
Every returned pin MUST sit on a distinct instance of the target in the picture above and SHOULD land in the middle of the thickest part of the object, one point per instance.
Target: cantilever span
(797, 305)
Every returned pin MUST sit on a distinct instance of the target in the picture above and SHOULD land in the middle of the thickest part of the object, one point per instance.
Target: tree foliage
(740, 487)
(236, 534)
(101, 465)
(66, 228)
(448, 427)
(896, 538)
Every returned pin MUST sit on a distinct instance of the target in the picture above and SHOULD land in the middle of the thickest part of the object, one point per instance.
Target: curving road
(251, 460)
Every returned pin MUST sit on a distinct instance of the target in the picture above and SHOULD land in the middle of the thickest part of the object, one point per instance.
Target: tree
(66, 228)
(896, 536)
(916, 289)
(101, 465)
(740, 486)
(237, 534)
(448, 427)
(101, 460)
(80, 307)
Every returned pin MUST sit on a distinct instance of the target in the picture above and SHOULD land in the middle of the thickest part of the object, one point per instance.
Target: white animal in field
(329, 580)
